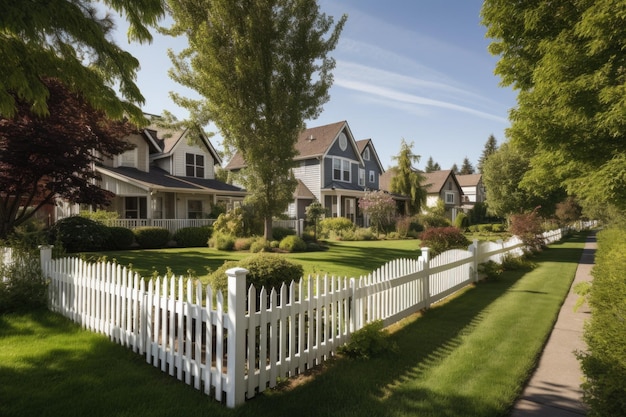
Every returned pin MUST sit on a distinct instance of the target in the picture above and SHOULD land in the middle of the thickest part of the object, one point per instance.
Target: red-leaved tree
(45, 158)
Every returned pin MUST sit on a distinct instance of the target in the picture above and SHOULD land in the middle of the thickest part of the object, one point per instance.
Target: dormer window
(366, 154)
(194, 165)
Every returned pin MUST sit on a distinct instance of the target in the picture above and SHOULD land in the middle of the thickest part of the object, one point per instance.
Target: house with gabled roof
(332, 168)
(473, 189)
(167, 179)
(439, 185)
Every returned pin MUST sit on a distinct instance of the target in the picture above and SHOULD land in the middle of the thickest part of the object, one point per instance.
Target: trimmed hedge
(293, 243)
(79, 234)
(121, 238)
(266, 270)
(189, 237)
(604, 363)
(150, 237)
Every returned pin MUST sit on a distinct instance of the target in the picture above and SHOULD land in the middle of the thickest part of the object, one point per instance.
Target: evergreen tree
(491, 146)
(261, 69)
(467, 167)
(432, 166)
(455, 168)
(407, 180)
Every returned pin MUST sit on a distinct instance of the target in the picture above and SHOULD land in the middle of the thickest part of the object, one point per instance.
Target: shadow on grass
(375, 387)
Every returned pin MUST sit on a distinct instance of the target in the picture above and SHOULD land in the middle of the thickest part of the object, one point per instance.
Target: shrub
(189, 237)
(79, 234)
(498, 228)
(293, 244)
(491, 269)
(121, 238)
(221, 241)
(265, 270)
(150, 237)
(362, 233)
(279, 233)
(243, 243)
(239, 222)
(100, 216)
(261, 245)
(461, 221)
(528, 227)
(370, 341)
(604, 362)
(433, 220)
(403, 226)
(485, 228)
(441, 239)
(22, 284)
(335, 227)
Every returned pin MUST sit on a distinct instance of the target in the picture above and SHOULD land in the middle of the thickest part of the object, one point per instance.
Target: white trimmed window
(361, 177)
(366, 154)
(341, 169)
(194, 165)
(450, 198)
(372, 176)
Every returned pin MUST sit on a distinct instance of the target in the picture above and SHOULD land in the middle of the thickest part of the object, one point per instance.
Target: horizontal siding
(310, 175)
(179, 159)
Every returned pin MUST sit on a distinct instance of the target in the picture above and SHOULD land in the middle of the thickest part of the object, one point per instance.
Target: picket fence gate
(237, 344)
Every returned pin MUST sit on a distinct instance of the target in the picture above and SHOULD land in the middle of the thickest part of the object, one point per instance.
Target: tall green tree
(407, 180)
(70, 40)
(261, 67)
(455, 168)
(467, 167)
(567, 60)
(502, 174)
(432, 166)
(491, 146)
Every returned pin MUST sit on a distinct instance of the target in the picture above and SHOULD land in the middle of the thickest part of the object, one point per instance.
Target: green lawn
(350, 259)
(469, 356)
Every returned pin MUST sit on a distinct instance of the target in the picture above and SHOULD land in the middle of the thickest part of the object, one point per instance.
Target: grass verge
(470, 356)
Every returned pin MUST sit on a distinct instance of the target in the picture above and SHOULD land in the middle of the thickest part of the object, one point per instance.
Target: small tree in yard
(527, 226)
(42, 158)
(380, 207)
(314, 213)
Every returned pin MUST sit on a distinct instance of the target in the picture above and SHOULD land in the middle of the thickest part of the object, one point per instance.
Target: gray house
(332, 168)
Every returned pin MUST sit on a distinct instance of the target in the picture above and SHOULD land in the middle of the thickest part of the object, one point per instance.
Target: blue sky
(414, 70)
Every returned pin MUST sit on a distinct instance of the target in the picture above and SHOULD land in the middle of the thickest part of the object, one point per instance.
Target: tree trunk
(267, 232)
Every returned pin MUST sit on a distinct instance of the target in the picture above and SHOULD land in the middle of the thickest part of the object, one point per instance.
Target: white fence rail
(170, 224)
(180, 327)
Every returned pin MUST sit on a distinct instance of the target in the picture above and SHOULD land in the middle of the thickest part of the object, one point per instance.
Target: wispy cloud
(400, 97)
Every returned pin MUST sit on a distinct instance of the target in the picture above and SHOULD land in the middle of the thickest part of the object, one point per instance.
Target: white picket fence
(236, 345)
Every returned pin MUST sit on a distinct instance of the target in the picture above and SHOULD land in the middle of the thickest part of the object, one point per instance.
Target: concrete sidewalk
(554, 389)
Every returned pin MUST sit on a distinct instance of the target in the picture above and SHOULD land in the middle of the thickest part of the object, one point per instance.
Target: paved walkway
(554, 389)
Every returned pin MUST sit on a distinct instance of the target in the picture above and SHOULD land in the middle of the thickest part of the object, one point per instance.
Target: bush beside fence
(180, 326)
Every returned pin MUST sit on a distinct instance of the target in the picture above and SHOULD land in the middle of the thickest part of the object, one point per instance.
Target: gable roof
(362, 144)
(313, 142)
(470, 180)
(436, 180)
(164, 141)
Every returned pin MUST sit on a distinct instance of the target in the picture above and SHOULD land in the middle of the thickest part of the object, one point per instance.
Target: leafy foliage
(368, 342)
(335, 227)
(261, 70)
(279, 233)
(121, 238)
(222, 241)
(293, 243)
(604, 362)
(566, 60)
(407, 180)
(71, 40)
(79, 234)
(527, 226)
(380, 207)
(46, 158)
(265, 270)
(441, 239)
(151, 237)
(314, 212)
(22, 284)
(188, 237)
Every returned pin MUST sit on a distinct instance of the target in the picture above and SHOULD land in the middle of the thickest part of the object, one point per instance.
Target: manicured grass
(350, 259)
(470, 356)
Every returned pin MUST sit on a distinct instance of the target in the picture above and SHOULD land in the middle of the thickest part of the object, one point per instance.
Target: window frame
(195, 167)
(345, 167)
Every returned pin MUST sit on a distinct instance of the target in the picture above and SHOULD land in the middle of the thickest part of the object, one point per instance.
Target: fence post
(426, 257)
(45, 255)
(236, 336)
(300, 227)
(475, 247)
